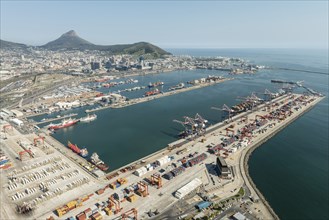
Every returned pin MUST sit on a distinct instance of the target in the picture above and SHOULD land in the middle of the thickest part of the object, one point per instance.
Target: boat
(153, 92)
(94, 159)
(84, 152)
(179, 86)
(65, 123)
(156, 84)
(74, 147)
(88, 118)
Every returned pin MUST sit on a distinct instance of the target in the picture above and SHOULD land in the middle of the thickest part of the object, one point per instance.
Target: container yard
(44, 173)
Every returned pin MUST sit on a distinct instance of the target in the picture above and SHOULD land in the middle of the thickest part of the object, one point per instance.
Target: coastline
(245, 158)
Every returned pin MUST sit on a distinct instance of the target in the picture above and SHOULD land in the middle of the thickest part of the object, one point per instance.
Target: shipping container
(100, 191)
(81, 216)
(132, 198)
(168, 176)
(88, 212)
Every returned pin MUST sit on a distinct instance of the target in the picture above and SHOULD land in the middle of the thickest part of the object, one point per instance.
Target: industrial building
(224, 171)
(182, 192)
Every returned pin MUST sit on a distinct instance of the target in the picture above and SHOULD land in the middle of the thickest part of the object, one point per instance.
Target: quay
(270, 118)
(150, 98)
(54, 119)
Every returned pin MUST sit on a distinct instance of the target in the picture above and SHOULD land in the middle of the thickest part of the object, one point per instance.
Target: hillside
(11, 45)
(71, 41)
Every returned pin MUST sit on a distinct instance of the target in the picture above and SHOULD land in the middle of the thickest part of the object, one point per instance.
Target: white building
(17, 121)
(182, 192)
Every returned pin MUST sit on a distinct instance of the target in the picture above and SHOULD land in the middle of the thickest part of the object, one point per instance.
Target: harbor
(215, 141)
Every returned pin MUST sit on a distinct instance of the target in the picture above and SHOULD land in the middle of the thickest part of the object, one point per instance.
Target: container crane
(128, 213)
(226, 110)
(200, 119)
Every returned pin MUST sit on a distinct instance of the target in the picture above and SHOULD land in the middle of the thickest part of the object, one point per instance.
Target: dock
(283, 111)
(54, 119)
(150, 98)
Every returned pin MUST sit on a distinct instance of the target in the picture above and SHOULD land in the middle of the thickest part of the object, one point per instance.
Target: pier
(55, 119)
(150, 98)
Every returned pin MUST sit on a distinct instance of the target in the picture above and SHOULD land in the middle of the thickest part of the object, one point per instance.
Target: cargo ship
(88, 118)
(179, 86)
(65, 123)
(153, 92)
(151, 85)
(94, 159)
(82, 152)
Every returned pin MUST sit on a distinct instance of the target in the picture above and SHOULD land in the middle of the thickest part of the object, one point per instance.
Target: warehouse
(182, 192)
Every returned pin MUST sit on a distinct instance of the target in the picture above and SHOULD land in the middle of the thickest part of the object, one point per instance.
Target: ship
(153, 92)
(74, 147)
(84, 152)
(88, 118)
(65, 123)
(151, 85)
(94, 159)
(179, 86)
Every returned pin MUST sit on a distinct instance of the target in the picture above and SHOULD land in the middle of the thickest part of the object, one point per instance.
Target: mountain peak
(70, 33)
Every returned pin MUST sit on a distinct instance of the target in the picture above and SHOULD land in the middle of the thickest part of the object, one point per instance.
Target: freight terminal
(206, 168)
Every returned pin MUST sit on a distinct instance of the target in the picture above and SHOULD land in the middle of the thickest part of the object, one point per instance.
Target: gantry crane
(7, 127)
(156, 180)
(143, 189)
(259, 116)
(128, 213)
(23, 153)
(201, 120)
(229, 130)
(227, 110)
(39, 138)
(116, 204)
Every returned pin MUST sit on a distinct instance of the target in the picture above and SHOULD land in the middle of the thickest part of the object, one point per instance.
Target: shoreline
(245, 158)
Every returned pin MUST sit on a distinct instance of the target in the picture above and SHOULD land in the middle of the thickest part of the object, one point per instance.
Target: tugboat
(94, 159)
(88, 118)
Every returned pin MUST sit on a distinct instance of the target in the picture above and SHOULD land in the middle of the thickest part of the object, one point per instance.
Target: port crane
(201, 120)
(116, 205)
(143, 189)
(23, 153)
(187, 122)
(128, 213)
(39, 139)
(156, 180)
(227, 110)
(7, 127)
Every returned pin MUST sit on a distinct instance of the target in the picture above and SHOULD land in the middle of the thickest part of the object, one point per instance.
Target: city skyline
(170, 24)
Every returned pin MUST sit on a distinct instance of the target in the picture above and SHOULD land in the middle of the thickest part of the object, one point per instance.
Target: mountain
(71, 41)
(11, 45)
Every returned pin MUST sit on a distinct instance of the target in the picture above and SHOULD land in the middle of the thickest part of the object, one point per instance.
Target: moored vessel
(65, 123)
(94, 159)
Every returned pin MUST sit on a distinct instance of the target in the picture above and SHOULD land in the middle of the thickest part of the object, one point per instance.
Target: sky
(170, 24)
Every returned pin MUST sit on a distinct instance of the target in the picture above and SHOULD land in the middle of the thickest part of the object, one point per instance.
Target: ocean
(291, 169)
